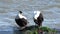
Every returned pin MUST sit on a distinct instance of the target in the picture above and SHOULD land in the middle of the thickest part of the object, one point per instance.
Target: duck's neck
(21, 16)
(37, 14)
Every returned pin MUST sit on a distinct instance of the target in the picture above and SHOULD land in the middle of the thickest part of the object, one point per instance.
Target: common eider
(38, 18)
(21, 20)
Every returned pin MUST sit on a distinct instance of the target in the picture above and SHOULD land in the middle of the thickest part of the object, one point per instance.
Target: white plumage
(36, 14)
(21, 16)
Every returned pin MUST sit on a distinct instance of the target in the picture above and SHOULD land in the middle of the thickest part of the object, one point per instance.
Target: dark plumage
(21, 20)
(38, 19)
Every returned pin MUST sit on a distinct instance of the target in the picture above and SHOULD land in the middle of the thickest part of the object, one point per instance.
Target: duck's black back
(21, 21)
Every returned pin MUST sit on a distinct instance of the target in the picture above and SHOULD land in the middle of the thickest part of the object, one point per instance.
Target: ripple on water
(50, 8)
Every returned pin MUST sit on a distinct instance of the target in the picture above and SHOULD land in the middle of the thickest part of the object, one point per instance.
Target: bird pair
(22, 20)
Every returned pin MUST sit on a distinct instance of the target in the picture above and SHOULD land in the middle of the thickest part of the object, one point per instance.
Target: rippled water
(9, 9)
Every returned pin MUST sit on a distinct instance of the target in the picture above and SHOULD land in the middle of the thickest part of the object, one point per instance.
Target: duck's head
(20, 12)
(37, 12)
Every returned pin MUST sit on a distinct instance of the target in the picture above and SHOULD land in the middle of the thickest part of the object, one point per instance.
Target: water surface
(9, 9)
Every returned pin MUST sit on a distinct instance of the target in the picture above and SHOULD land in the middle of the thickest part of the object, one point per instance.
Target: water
(9, 9)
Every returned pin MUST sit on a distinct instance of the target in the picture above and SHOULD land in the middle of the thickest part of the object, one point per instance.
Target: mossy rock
(34, 29)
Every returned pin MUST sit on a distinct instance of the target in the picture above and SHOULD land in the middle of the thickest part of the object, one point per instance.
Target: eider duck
(38, 18)
(21, 20)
